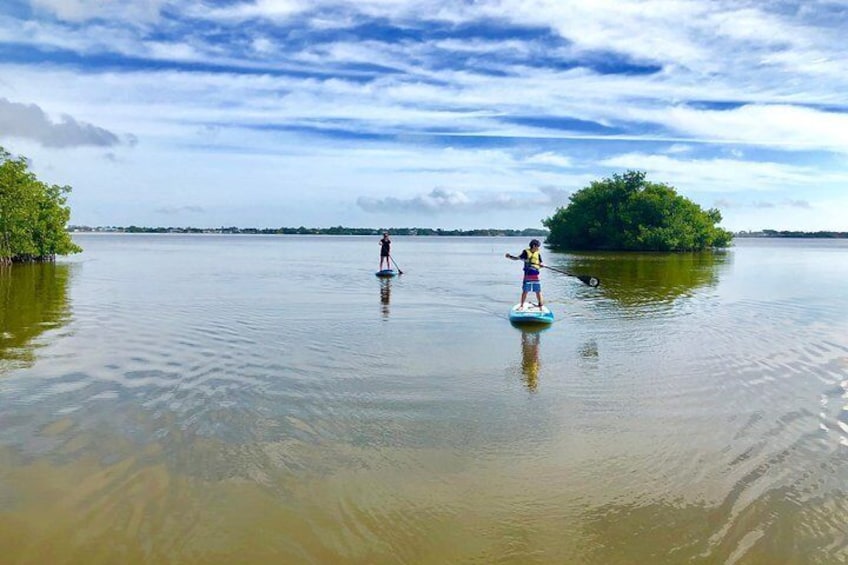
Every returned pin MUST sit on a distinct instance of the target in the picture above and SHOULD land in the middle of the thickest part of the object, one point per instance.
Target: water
(222, 399)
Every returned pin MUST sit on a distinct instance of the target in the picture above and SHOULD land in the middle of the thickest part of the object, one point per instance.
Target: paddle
(591, 281)
(396, 265)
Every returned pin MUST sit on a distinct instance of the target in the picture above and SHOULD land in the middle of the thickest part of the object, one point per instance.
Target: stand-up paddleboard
(530, 314)
(386, 273)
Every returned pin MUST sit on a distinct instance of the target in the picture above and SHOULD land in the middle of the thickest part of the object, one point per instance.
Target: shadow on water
(385, 296)
(645, 278)
(33, 299)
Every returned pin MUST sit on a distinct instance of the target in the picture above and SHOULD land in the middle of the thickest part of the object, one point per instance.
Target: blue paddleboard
(386, 273)
(530, 314)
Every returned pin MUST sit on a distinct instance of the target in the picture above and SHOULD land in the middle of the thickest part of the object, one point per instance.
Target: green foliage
(628, 213)
(33, 215)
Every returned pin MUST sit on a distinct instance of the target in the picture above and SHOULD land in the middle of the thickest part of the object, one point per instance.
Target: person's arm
(513, 257)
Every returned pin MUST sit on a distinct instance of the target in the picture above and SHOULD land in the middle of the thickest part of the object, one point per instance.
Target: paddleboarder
(532, 265)
(385, 251)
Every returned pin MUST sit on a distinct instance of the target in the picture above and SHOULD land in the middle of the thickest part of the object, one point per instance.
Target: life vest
(533, 260)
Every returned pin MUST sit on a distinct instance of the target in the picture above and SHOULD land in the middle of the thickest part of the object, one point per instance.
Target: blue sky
(451, 114)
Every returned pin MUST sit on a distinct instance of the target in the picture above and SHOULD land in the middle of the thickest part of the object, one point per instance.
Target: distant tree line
(33, 215)
(337, 230)
(797, 234)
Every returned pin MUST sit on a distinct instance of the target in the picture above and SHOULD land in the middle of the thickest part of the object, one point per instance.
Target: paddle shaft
(591, 281)
(396, 265)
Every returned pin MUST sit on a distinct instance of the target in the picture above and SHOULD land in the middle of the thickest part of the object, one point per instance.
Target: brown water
(223, 399)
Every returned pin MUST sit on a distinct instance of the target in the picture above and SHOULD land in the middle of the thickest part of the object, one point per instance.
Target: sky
(426, 113)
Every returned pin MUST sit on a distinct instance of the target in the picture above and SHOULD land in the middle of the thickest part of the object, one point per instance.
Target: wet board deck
(530, 314)
(386, 273)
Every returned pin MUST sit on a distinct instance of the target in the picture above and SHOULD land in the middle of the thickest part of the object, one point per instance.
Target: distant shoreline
(794, 234)
(339, 230)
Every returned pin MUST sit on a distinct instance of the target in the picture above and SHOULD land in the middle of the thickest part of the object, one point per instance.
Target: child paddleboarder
(532, 265)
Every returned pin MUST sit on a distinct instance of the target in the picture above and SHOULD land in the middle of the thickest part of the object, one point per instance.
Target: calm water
(223, 399)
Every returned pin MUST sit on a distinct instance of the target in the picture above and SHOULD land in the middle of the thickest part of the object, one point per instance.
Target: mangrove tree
(33, 215)
(628, 213)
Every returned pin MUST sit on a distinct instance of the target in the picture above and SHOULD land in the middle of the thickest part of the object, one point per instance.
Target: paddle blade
(591, 281)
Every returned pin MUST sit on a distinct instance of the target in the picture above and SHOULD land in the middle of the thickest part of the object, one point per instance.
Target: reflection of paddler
(530, 359)
(385, 294)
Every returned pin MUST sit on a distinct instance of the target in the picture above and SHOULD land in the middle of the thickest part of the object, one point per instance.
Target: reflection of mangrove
(33, 299)
(633, 278)
(589, 350)
(530, 359)
(385, 295)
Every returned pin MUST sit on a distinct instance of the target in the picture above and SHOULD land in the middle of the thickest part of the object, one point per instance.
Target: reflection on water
(530, 358)
(589, 350)
(385, 295)
(33, 299)
(643, 278)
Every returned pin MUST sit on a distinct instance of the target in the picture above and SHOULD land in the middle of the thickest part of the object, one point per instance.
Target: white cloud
(82, 10)
(764, 125)
(723, 175)
(269, 9)
(678, 148)
(263, 45)
(550, 158)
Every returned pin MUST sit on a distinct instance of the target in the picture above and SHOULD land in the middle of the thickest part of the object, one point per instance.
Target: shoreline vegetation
(33, 215)
(338, 230)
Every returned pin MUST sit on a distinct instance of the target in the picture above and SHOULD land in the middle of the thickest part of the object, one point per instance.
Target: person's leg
(539, 298)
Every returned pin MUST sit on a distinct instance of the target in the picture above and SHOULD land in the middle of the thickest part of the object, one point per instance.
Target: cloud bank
(30, 122)
(442, 201)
